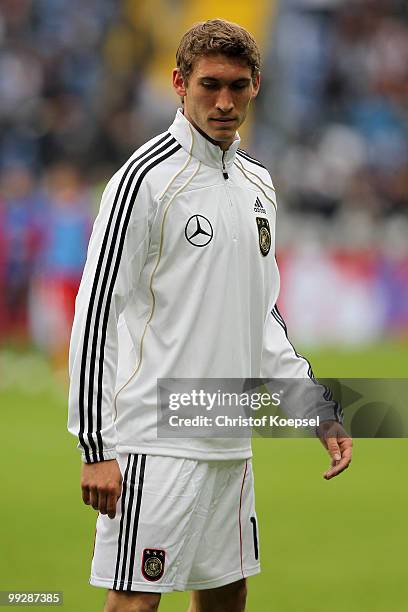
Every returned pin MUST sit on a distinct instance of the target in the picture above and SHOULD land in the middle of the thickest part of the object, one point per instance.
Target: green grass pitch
(338, 545)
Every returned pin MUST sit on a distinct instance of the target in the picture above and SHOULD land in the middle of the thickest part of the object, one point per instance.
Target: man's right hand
(101, 485)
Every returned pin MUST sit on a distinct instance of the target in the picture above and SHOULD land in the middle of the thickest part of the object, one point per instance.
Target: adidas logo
(258, 207)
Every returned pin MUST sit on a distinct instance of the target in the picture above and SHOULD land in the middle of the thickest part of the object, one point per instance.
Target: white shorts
(181, 525)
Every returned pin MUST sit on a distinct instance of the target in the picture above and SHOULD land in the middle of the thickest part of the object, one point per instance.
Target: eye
(239, 86)
(209, 85)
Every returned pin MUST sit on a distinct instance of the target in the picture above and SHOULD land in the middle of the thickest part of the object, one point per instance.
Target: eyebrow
(215, 80)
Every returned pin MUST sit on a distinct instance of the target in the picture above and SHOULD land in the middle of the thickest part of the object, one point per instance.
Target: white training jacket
(180, 281)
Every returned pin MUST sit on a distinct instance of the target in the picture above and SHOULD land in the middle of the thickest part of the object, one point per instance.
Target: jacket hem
(186, 453)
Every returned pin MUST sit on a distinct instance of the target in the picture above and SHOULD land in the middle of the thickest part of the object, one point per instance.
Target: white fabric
(153, 305)
(201, 515)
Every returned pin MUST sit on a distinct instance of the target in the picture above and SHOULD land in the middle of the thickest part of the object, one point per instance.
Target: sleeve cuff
(107, 455)
(332, 413)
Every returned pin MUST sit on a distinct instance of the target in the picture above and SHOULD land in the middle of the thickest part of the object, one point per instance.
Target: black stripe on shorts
(129, 524)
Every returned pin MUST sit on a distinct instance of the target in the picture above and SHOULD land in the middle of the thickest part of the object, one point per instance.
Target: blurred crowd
(70, 115)
(332, 124)
(44, 232)
(75, 101)
(335, 100)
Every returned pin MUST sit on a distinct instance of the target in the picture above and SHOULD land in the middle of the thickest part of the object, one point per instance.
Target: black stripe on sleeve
(278, 317)
(165, 138)
(105, 261)
(111, 288)
(102, 292)
(328, 396)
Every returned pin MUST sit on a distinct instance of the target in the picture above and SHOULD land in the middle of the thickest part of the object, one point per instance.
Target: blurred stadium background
(82, 84)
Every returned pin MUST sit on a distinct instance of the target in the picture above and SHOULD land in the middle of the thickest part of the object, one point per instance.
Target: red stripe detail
(93, 549)
(239, 519)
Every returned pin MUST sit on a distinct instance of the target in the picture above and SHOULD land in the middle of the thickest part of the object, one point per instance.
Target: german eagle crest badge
(264, 234)
(153, 563)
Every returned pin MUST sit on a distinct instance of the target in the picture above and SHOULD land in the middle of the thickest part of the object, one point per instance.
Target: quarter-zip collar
(202, 148)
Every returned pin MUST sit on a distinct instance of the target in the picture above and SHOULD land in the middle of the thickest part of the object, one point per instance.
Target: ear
(178, 83)
(256, 85)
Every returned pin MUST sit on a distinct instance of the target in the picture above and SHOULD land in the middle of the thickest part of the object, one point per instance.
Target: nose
(225, 103)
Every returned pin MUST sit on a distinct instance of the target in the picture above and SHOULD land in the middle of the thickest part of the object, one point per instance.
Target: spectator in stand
(66, 230)
(2, 272)
(20, 238)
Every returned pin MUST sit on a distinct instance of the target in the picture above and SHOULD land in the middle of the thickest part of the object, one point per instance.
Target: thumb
(333, 448)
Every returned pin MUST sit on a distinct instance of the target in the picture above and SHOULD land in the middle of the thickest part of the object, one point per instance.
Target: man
(181, 281)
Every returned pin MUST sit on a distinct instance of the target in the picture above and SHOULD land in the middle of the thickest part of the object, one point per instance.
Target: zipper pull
(224, 170)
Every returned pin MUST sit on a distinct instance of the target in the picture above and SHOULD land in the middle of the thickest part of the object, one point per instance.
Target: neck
(224, 146)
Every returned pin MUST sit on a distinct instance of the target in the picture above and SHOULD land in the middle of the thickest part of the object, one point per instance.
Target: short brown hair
(217, 36)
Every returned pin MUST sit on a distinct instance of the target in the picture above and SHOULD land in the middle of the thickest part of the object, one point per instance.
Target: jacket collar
(201, 148)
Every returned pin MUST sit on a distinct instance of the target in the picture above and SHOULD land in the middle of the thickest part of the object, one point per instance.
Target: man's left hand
(339, 446)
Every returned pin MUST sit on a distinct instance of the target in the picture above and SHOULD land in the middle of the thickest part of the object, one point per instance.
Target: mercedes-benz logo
(199, 231)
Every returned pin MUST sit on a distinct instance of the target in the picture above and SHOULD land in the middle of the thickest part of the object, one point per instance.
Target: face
(217, 96)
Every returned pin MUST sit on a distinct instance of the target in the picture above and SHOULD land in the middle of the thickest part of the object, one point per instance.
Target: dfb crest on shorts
(264, 234)
(153, 563)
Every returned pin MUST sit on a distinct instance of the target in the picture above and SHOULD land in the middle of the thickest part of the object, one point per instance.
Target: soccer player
(181, 281)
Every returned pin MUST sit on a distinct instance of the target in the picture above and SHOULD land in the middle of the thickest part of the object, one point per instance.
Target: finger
(85, 495)
(111, 504)
(346, 446)
(339, 466)
(336, 470)
(102, 502)
(93, 498)
(333, 464)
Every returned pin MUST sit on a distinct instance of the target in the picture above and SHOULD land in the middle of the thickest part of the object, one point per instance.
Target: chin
(223, 135)
(221, 139)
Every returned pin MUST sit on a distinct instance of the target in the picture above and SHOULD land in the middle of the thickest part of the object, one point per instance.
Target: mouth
(225, 121)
